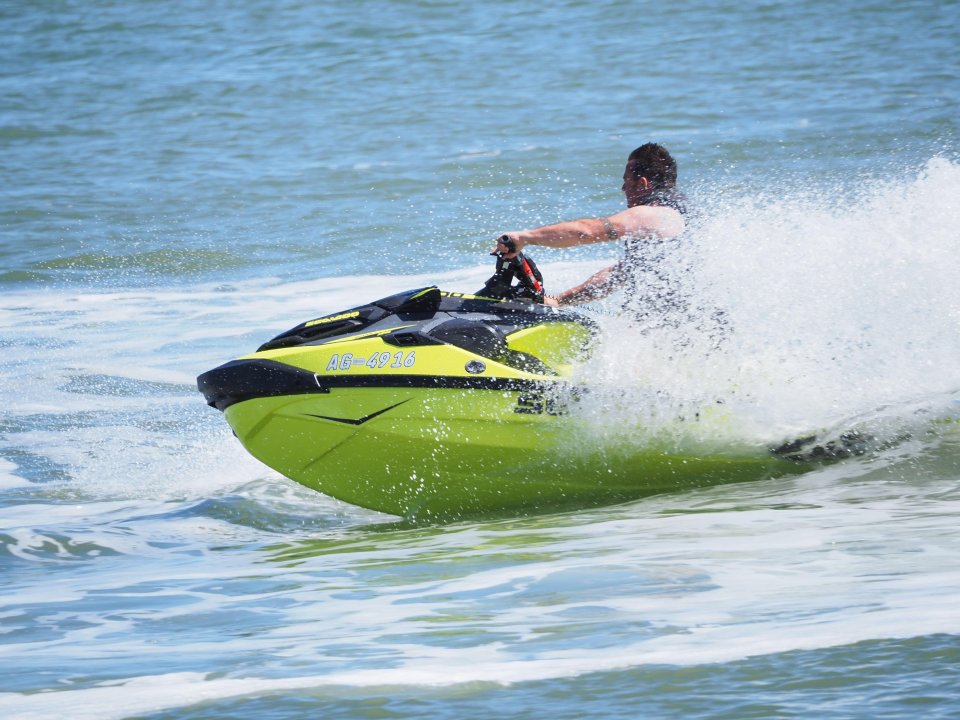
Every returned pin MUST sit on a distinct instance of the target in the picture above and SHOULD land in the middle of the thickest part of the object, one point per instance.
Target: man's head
(649, 168)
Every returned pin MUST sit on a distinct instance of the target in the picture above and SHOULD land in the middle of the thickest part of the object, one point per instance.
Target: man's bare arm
(597, 286)
(664, 221)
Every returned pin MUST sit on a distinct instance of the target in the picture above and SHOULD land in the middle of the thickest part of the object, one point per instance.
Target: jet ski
(435, 405)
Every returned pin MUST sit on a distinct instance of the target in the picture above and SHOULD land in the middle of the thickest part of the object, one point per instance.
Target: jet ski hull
(444, 454)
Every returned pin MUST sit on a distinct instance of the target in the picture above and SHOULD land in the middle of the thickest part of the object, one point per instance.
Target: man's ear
(645, 182)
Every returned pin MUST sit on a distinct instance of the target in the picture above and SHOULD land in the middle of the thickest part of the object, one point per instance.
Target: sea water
(182, 182)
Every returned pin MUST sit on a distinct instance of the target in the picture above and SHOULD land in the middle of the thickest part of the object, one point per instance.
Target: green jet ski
(435, 405)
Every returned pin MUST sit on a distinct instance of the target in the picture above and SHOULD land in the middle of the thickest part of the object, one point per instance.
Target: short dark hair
(653, 162)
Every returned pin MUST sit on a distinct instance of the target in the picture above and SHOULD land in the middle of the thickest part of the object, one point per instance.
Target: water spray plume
(835, 309)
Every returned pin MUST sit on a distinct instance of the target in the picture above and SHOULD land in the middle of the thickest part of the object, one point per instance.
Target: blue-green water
(182, 181)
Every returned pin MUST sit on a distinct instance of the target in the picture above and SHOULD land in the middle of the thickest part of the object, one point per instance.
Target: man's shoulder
(661, 219)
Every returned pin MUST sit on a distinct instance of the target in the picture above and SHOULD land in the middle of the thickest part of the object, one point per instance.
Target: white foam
(700, 645)
(8, 476)
(843, 570)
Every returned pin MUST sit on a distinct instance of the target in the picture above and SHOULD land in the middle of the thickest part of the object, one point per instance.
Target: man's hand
(508, 245)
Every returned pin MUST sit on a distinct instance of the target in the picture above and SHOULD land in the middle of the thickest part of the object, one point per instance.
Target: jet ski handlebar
(521, 268)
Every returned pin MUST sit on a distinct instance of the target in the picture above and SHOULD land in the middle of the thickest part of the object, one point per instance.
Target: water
(180, 184)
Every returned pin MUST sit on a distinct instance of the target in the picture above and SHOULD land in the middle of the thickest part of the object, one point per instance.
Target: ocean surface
(180, 182)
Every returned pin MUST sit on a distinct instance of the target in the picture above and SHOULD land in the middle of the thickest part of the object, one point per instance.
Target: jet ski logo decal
(332, 318)
(539, 403)
(359, 421)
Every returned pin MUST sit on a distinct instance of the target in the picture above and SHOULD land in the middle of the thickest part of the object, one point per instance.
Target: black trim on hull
(242, 380)
(359, 421)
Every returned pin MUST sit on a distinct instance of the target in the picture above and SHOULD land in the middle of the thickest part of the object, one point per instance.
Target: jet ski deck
(419, 339)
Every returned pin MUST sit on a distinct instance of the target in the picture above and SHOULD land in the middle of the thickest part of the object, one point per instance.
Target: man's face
(635, 188)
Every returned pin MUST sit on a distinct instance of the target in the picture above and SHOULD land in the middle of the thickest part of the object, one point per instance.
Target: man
(654, 216)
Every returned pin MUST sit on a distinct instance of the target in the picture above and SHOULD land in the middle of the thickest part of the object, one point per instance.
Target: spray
(835, 311)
